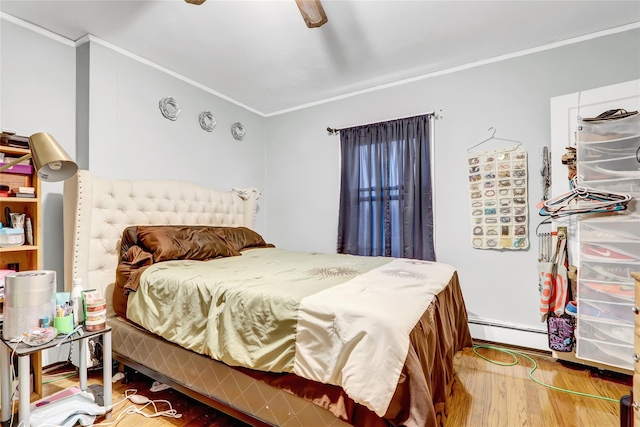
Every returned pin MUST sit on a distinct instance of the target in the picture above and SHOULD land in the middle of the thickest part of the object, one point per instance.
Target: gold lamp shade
(50, 160)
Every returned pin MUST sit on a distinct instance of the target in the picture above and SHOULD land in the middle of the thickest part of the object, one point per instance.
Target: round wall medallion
(207, 121)
(170, 108)
(237, 130)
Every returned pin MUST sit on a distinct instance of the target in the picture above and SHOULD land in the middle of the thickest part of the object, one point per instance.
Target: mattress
(274, 310)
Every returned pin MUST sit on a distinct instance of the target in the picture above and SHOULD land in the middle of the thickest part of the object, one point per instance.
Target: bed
(311, 382)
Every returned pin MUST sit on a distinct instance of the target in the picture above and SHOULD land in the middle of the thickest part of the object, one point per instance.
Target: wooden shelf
(27, 257)
(19, 199)
(19, 248)
(14, 150)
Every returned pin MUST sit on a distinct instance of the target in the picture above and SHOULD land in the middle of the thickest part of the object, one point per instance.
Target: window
(385, 193)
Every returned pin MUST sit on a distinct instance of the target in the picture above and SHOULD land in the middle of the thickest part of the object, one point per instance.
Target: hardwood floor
(488, 395)
(483, 395)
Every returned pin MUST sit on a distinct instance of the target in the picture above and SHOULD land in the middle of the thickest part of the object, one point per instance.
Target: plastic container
(604, 311)
(96, 315)
(619, 355)
(606, 331)
(603, 291)
(618, 273)
(76, 297)
(11, 237)
(63, 324)
(607, 155)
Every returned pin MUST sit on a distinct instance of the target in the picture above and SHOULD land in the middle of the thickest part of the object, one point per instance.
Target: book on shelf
(25, 195)
(10, 159)
(30, 190)
(13, 140)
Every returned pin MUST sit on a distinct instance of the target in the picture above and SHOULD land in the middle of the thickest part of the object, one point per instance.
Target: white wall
(37, 93)
(122, 134)
(129, 138)
(120, 131)
(513, 96)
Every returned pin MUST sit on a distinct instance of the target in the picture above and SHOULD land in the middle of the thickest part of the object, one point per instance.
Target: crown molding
(36, 29)
(91, 38)
(470, 65)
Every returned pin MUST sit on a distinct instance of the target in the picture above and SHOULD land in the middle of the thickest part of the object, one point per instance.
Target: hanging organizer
(498, 197)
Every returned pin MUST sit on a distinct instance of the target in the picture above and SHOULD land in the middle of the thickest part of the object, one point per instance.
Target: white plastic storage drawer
(607, 331)
(619, 355)
(611, 252)
(608, 130)
(608, 271)
(607, 311)
(606, 291)
(607, 155)
(613, 228)
(622, 185)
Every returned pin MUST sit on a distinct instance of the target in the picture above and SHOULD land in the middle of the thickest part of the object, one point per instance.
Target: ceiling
(261, 54)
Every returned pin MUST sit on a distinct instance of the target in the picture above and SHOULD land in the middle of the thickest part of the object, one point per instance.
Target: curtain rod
(333, 131)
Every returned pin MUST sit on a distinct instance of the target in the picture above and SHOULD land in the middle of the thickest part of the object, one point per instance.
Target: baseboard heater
(516, 327)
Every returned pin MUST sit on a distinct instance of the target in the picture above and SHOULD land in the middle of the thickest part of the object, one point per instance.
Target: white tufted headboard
(96, 211)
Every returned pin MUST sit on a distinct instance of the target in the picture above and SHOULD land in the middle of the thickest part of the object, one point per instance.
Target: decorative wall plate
(237, 130)
(170, 108)
(207, 121)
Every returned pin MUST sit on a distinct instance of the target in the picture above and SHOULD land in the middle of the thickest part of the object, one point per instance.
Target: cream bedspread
(337, 319)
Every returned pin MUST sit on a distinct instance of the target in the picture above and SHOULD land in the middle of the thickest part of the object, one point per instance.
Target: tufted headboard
(97, 210)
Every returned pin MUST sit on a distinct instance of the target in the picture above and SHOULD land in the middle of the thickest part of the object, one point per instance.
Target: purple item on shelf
(19, 169)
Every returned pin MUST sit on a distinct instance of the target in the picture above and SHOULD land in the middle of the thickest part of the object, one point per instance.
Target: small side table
(24, 351)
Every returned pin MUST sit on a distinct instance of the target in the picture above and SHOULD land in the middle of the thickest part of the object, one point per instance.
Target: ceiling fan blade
(312, 12)
(195, 1)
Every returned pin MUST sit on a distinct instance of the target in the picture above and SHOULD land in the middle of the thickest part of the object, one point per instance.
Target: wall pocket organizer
(498, 198)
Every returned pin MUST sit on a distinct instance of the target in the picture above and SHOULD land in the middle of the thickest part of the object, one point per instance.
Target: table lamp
(52, 163)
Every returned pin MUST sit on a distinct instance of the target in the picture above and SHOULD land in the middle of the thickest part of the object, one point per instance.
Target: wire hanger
(546, 221)
(493, 136)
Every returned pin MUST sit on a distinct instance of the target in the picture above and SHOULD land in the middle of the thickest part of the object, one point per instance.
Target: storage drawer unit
(609, 253)
(607, 155)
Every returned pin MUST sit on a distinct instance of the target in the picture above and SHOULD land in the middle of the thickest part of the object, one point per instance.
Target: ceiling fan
(311, 10)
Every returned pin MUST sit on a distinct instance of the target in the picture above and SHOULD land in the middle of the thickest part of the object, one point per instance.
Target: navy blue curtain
(385, 190)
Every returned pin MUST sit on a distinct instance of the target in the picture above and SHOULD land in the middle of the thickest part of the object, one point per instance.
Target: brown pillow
(240, 238)
(132, 264)
(167, 243)
(129, 239)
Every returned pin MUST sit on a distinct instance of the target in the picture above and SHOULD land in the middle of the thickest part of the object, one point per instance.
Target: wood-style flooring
(483, 395)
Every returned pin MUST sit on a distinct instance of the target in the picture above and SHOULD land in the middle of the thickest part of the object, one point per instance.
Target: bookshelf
(27, 257)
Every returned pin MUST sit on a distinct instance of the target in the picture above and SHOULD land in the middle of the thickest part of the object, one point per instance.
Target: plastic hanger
(580, 200)
(493, 136)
